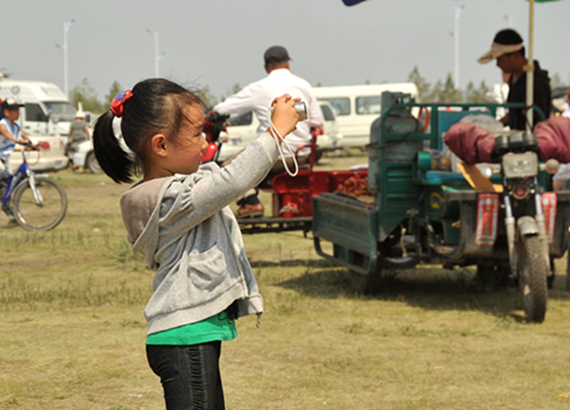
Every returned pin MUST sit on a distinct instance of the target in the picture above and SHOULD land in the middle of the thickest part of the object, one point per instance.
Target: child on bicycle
(178, 218)
(10, 132)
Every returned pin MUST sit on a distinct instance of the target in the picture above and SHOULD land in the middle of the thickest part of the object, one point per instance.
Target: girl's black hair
(156, 106)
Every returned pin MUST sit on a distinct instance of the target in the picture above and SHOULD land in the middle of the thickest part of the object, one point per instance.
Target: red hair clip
(117, 105)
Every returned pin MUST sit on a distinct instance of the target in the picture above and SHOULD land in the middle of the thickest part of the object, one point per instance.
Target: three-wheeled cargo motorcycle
(512, 228)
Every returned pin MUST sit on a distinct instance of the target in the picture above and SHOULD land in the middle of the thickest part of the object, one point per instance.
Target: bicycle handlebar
(31, 146)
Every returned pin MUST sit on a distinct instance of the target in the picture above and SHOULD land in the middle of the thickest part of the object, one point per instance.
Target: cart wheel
(318, 156)
(394, 258)
(396, 263)
(366, 284)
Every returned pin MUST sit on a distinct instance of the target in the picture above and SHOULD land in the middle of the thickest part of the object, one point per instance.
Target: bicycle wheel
(44, 212)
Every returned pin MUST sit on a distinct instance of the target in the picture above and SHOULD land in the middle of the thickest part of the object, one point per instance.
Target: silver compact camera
(301, 108)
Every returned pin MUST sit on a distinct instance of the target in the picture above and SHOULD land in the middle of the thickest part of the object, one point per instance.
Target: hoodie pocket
(207, 269)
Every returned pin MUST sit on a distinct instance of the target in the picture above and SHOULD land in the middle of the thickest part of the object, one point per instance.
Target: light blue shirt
(5, 143)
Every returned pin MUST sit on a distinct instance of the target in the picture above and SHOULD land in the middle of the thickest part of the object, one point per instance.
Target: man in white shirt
(258, 96)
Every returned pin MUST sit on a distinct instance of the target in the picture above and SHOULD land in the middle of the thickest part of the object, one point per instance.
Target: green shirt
(215, 328)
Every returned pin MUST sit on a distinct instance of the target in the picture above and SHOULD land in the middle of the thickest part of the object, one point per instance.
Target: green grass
(72, 331)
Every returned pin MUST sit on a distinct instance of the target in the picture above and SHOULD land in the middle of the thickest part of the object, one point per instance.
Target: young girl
(178, 218)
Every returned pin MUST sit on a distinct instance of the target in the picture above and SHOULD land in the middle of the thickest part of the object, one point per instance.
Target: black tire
(396, 263)
(34, 217)
(367, 284)
(532, 278)
(492, 277)
(550, 280)
(318, 156)
(393, 258)
(92, 164)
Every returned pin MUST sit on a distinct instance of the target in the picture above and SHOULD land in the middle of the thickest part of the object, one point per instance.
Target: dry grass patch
(72, 334)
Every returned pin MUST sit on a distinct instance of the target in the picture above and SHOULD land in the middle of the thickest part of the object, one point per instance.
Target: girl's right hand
(284, 116)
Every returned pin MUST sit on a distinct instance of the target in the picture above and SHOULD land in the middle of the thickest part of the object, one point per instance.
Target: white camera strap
(280, 146)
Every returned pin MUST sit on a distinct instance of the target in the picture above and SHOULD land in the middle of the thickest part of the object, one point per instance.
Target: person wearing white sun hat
(509, 51)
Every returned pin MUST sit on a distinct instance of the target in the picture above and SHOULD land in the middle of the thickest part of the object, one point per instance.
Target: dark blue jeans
(190, 375)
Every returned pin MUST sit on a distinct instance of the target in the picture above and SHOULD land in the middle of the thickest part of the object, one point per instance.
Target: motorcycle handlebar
(214, 124)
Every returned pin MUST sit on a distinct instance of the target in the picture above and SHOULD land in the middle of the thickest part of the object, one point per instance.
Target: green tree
(555, 81)
(113, 92)
(85, 94)
(235, 89)
(420, 82)
(435, 94)
(449, 93)
(474, 95)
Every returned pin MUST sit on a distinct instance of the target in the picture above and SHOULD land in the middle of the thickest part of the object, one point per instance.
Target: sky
(220, 43)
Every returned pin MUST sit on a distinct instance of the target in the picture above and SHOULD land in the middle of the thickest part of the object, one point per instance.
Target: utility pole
(157, 55)
(456, 38)
(64, 48)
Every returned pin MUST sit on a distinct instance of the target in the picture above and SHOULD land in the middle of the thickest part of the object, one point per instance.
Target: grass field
(72, 331)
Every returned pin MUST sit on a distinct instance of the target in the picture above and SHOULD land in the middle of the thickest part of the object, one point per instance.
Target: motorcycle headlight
(520, 165)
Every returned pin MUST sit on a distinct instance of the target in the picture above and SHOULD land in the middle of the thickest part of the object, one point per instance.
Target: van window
(61, 111)
(368, 105)
(327, 113)
(34, 113)
(244, 119)
(341, 105)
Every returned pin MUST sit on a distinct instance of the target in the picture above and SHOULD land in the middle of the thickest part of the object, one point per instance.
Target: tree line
(446, 91)
(85, 94)
(440, 91)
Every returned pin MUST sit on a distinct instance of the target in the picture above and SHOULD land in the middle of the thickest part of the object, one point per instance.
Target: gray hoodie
(185, 230)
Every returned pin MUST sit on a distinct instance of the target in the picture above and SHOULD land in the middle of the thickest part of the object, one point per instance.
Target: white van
(357, 106)
(46, 111)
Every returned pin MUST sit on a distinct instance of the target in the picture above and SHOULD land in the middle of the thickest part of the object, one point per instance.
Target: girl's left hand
(285, 115)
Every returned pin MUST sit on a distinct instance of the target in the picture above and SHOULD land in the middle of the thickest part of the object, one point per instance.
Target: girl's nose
(204, 142)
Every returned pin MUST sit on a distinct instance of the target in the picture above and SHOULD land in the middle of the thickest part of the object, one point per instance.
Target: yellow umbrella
(530, 66)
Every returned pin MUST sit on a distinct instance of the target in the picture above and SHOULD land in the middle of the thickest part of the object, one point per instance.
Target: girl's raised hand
(284, 116)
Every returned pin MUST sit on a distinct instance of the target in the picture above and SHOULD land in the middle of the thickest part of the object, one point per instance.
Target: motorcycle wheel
(532, 278)
(551, 278)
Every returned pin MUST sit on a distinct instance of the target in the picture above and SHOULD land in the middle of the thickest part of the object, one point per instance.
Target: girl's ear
(158, 145)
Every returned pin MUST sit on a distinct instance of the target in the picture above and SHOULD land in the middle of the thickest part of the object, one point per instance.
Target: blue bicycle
(35, 201)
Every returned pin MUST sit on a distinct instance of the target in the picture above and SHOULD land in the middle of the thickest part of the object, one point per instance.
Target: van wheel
(92, 164)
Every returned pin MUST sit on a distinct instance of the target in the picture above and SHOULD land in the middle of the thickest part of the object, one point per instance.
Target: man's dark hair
(509, 36)
(274, 65)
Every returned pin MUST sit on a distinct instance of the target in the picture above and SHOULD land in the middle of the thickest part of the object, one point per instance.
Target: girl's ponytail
(112, 158)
